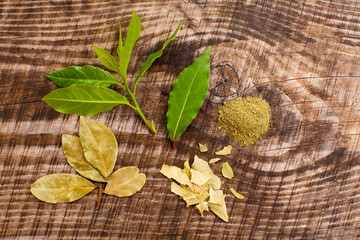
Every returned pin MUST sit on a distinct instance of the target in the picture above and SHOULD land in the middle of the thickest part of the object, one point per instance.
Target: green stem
(137, 108)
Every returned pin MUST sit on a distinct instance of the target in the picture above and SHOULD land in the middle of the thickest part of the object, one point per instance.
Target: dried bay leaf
(125, 182)
(202, 148)
(188, 94)
(175, 173)
(236, 194)
(75, 157)
(99, 145)
(225, 151)
(59, 188)
(227, 171)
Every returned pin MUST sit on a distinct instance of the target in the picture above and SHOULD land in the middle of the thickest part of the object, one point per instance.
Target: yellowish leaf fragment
(203, 206)
(225, 151)
(202, 147)
(220, 211)
(195, 188)
(125, 182)
(227, 171)
(198, 178)
(236, 194)
(201, 165)
(214, 160)
(187, 168)
(196, 198)
(179, 190)
(216, 196)
(175, 173)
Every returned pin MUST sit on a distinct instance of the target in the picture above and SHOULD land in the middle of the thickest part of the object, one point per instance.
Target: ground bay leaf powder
(245, 119)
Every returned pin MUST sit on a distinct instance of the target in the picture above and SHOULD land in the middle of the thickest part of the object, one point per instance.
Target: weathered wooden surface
(301, 181)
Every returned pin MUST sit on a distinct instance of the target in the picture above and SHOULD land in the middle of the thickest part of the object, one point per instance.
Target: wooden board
(301, 181)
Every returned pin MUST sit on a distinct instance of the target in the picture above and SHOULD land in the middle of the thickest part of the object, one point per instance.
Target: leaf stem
(137, 107)
(99, 198)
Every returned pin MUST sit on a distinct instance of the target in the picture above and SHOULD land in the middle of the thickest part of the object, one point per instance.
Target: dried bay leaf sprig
(84, 90)
(93, 156)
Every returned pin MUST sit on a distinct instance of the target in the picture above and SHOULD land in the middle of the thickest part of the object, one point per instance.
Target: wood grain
(301, 181)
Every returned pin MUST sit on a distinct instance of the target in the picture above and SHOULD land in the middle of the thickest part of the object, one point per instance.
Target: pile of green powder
(245, 119)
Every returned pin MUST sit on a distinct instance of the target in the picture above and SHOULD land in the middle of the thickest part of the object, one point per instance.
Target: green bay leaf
(87, 74)
(84, 100)
(152, 57)
(99, 145)
(59, 188)
(188, 94)
(133, 33)
(106, 59)
(75, 157)
(125, 182)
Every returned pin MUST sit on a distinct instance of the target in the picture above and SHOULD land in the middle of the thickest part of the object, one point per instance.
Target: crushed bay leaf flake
(214, 160)
(225, 151)
(203, 148)
(227, 171)
(236, 194)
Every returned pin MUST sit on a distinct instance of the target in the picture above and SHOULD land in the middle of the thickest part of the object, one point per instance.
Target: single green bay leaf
(59, 188)
(106, 59)
(125, 182)
(99, 145)
(149, 61)
(87, 74)
(132, 36)
(188, 94)
(75, 157)
(84, 100)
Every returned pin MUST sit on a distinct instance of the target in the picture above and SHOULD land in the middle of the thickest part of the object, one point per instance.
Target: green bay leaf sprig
(84, 90)
(188, 94)
(93, 156)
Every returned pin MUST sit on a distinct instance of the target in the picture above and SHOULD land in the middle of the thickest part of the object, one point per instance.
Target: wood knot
(224, 82)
